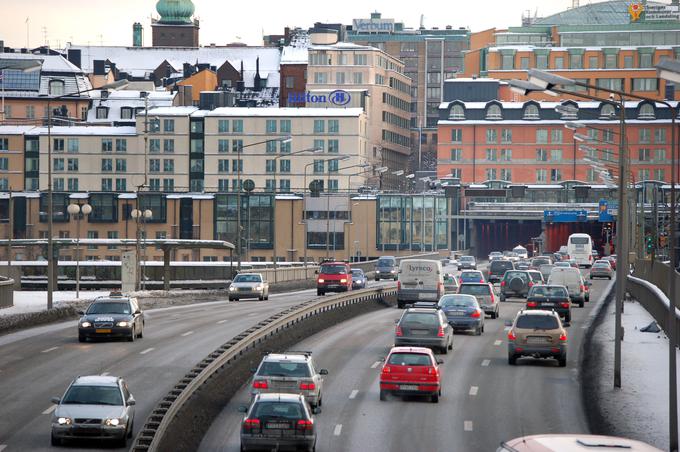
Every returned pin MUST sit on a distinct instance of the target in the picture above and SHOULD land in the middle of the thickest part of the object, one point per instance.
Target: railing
(6, 292)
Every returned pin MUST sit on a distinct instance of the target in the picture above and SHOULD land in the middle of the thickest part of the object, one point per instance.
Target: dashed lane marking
(338, 430)
(467, 426)
(474, 390)
(353, 394)
(50, 409)
(188, 333)
(486, 363)
(144, 352)
(51, 349)
(3, 447)
(497, 343)
(222, 321)
(104, 374)
(375, 364)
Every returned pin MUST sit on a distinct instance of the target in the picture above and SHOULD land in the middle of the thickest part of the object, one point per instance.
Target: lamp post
(51, 262)
(78, 211)
(365, 166)
(140, 217)
(328, 203)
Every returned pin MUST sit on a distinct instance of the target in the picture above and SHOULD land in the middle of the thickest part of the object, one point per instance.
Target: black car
(467, 263)
(497, 269)
(424, 327)
(515, 283)
(386, 268)
(550, 298)
(112, 316)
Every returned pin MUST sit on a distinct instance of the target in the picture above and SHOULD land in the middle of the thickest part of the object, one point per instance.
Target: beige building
(374, 81)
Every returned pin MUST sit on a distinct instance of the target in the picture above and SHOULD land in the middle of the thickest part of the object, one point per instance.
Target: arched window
(607, 112)
(493, 112)
(531, 112)
(56, 88)
(457, 112)
(646, 111)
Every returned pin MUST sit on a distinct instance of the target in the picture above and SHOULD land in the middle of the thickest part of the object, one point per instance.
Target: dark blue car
(359, 279)
(463, 312)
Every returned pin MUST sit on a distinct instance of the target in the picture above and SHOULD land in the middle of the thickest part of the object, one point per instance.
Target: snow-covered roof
(199, 196)
(285, 111)
(294, 55)
(14, 130)
(172, 111)
(50, 63)
(84, 131)
(341, 46)
(126, 98)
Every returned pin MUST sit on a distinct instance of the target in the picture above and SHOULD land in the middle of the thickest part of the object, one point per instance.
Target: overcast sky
(223, 21)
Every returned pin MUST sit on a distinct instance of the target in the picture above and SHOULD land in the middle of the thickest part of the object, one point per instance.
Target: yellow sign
(635, 9)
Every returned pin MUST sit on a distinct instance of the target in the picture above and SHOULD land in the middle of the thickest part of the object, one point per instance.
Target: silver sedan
(249, 285)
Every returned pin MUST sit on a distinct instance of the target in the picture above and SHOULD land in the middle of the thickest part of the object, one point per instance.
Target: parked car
(113, 316)
(573, 442)
(359, 280)
(550, 298)
(498, 268)
(249, 285)
(424, 327)
(485, 296)
(463, 312)
(601, 269)
(94, 407)
(538, 334)
(571, 279)
(277, 421)
(471, 276)
(386, 268)
(545, 270)
(333, 277)
(467, 262)
(289, 372)
(495, 255)
(515, 283)
(419, 280)
(450, 283)
(411, 371)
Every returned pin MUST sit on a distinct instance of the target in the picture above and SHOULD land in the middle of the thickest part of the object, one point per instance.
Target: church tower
(175, 28)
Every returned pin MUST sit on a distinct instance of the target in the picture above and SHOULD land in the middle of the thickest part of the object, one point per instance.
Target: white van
(419, 280)
(521, 252)
(572, 279)
(580, 248)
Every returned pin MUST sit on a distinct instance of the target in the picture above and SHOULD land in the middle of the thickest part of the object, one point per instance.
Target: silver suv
(94, 407)
(290, 372)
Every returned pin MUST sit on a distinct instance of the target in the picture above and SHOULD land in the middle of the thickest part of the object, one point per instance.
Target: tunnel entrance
(495, 235)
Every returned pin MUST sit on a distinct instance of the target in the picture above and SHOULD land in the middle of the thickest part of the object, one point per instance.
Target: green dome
(175, 11)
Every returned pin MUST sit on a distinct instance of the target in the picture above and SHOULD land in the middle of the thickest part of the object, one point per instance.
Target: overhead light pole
(140, 216)
(78, 211)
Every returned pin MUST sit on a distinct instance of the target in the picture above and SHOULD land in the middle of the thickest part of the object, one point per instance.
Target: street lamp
(140, 217)
(78, 211)
(50, 205)
(328, 202)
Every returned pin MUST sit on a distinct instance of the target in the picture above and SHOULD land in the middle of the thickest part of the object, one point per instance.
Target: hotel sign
(373, 25)
(662, 13)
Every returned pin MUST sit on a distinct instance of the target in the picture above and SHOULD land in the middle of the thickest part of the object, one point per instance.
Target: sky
(109, 22)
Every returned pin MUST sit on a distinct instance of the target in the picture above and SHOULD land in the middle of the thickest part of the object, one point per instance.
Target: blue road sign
(565, 216)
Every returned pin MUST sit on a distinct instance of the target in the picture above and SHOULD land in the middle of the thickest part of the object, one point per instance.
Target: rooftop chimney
(258, 79)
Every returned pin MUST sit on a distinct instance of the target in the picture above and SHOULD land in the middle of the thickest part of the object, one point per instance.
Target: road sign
(565, 216)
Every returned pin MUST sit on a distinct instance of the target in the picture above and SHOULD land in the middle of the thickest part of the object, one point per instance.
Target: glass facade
(621, 38)
(257, 220)
(412, 222)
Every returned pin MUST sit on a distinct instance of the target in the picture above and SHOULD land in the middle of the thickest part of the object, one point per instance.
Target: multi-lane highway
(484, 399)
(38, 364)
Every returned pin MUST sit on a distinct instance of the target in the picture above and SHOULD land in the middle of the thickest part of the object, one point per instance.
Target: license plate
(103, 330)
(419, 332)
(537, 340)
(548, 304)
(457, 312)
(277, 426)
(408, 387)
(423, 296)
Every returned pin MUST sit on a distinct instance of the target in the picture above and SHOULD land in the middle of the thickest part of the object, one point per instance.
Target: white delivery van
(521, 252)
(580, 248)
(419, 280)
(572, 279)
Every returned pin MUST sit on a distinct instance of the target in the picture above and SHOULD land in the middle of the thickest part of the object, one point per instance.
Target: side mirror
(131, 401)
(440, 361)
(253, 370)
(242, 409)
(323, 372)
(508, 323)
(316, 272)
(55, 400)
(81, 313)
(137, 312)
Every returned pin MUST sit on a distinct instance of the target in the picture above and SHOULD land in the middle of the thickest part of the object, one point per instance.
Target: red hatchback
(411, 371)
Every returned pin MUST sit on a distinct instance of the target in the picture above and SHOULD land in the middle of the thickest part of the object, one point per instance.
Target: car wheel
(54, 441)
(451, 344)
(231, 299)
(567, 318)
(587, 298)
(482, 328)
(319, 293)
(82, 338)
(243, 448)
(562, 362)
(133, 334)
(400, 304)
(122, 442)
(261, 297)
(267, 297)
(581, 303)
(141, 332)
(478, 331)
(383, 395)
(434, 398)
(444, 350)
(502, 298)
(395, 278)
(610, 278)
(512, 360)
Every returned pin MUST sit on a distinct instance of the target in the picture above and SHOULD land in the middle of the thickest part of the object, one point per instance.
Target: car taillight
(386, 369)
(260, 384)
(305, 424)
(476, 314)
(565, 304)
(583, 288)
(307, 386)
(398, 331)
(531, 284)
(511, 335)
(440, 333)
(440, 287)
(531, 304)
(563, 337)
(251, 424)
(502, 283)
(398, 285)
(481, 280)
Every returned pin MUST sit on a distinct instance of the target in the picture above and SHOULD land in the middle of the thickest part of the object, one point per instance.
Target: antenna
(27, 21)
(44, 31)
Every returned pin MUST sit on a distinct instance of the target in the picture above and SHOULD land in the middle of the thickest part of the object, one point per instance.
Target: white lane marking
(486, 363)
(222, 321)
(252, 314)
(353, 394)
(3, 447)
(104, 374)
(467, 426)
(146, 351)
(474, 390)
(375, 364)
(188, 333)
(497, 343)
(50, 409)
(51, 349)
(338, 430)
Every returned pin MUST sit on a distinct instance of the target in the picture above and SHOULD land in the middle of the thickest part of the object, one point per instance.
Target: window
(284, 166)
(611, 61)
(591, 175)
(542, 155)
(271, 126)
(506, 155)
(318, 166)
(660, 155)
(121, 145)
(610, 83)
(333, 146)
(237, 165)
(270, 166)
(643, 174)
(196, 127)
(57, 164)
(155, 125)
(107, 184)
(284, 147)
(4, 145)
(556, 136)
(223, 126)
(196, 165)
(490, 174)
(284, 125)
(457, 112)
(284, 185)
(4, 164)
(491, 155)
(321, 78)
(541, 136)
(121, 184)
(645, 136)
(491, 136)
(58, 144)
(73, 144)
(628, 62)
(168, 125)
(506, 174)
(456, 173)
(645, 60)
(333, 166)
(593, 62)
(319, 126)
(30, 111)
(607, 111)
(358, 78)
(58, 184)
(541, 175)
(333, 185)
(659, 174)
(524, 63)
(507, 62)
(493, 112)
(269, 184)
(559, 62)
(541, 61)
(236, 145)
(645, 84)
(320, 144)
(531, 112)
(222, 145)
(237, 125)
(169, 145)
(72, 164)
(555, 175)
(154, 145)
(456, 135)
(645, 155)
(660, 136)
(223, 185)
(333, 126)
(168, 166)
(290, 82)
(360, 59)
(196, 145)
(456, 155)
(154, 165)
(340, 78)
(223, 166)
(575, 61)
(506, 136)
(270, 147)
(121, 165)
(126, 113)
(112, 235)
(556, 155)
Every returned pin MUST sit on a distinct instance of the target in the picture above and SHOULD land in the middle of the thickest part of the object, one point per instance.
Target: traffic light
(649, 243)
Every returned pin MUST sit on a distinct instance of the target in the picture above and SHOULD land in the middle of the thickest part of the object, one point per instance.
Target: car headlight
(343, 280)
(321, 280)
(232, 288)
(393, 271)
(124, 324)
(112, 422)
(64, 421)
(259, 288)
(85, 324)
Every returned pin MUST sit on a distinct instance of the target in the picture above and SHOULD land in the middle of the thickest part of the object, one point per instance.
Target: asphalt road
(484, 399)
(38, 364)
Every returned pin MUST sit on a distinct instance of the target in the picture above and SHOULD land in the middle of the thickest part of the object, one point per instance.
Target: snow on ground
(35, 301)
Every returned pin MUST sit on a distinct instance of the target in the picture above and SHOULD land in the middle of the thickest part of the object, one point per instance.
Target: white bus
(580, 248)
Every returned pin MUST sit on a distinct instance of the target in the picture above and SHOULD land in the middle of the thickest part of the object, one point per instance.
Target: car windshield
(536, 276)
(537, 322)
(248, 278)
(109, 308)
(600, 265)
(275, 409)
(580, 240)
(562, 264)
(471, 275)
(467, 259)
(449, 279)
(475, 289)
(511, 254)
(548, 291)
(546, 268)
(421, 318)
(284, 369)
(386, 263)
(409, 359)
(500, 265)
(458, 301)
(333, 269)
(93, 395)
(357, 272)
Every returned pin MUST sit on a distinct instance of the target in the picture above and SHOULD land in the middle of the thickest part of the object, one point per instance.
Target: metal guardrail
(6, 292)
(654, 300)
(157, 424)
